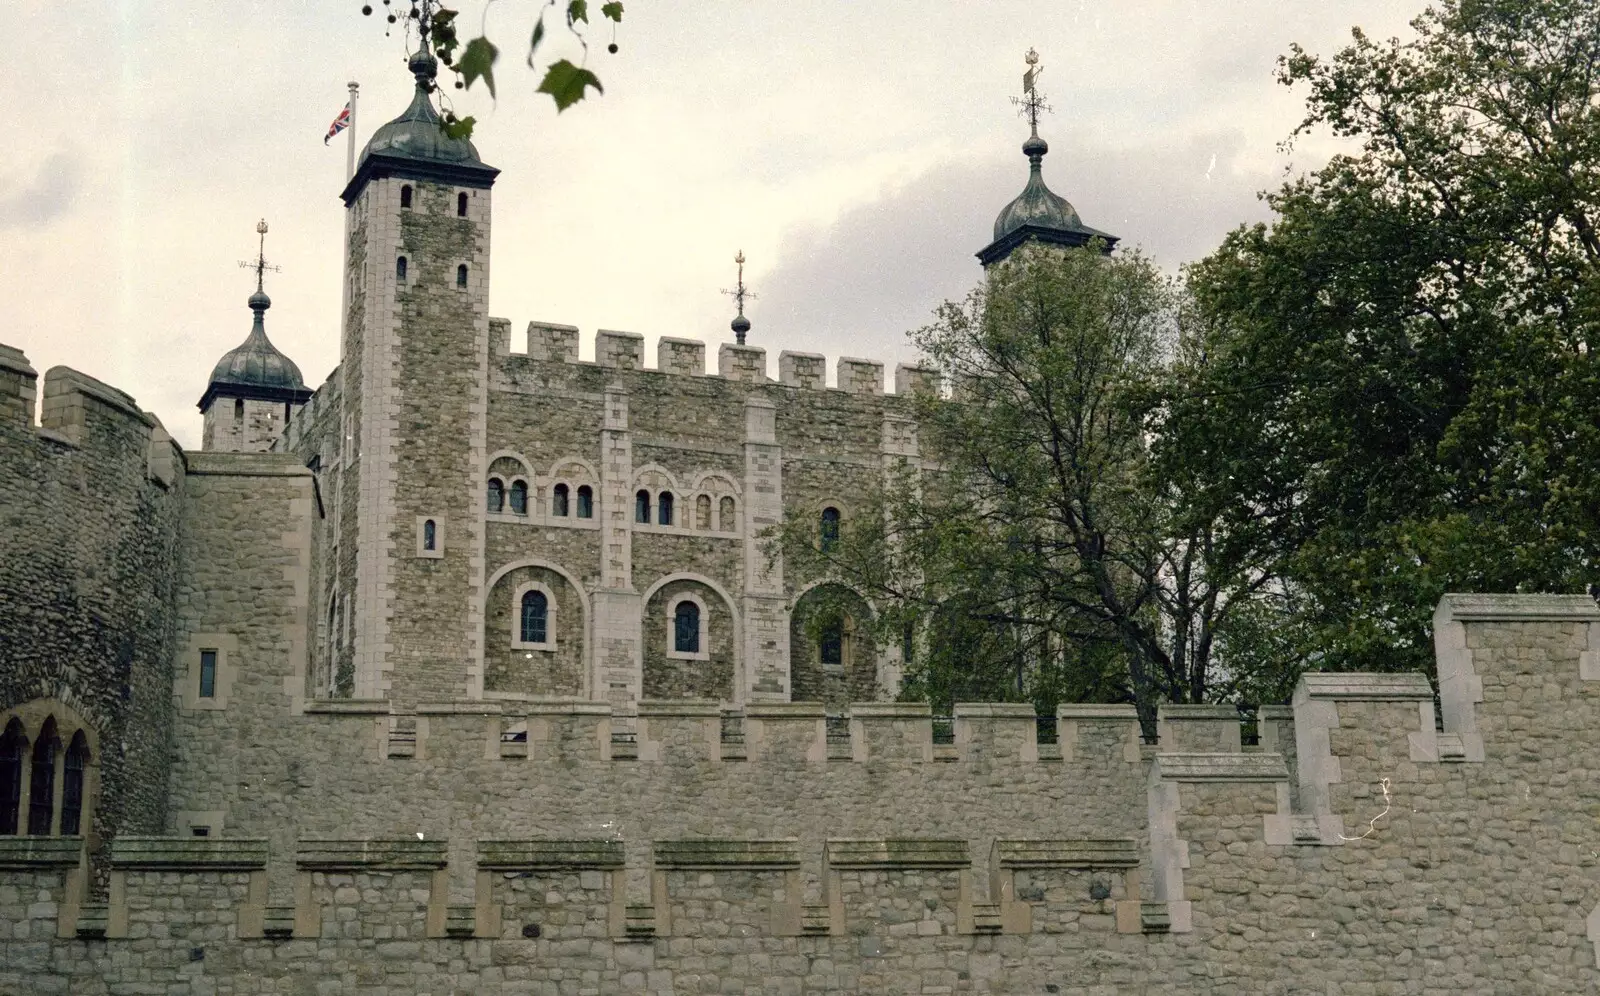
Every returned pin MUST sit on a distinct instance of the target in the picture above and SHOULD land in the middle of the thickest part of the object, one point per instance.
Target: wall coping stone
(1168, 710)
(396, 854)
(1372, 687)
(213, 853)
(785, 710)
(713, 853)
(245, 464)
(58, 379)
(1517, 608)
(529, 855)
(562, 707)
(905, 852)
(350, 707)
(1094, 710)
(1220, 768)
(1108, 852)
(40, 852)
(1274, 712)
(12, 358)
(460, 707)
(649, 708)
(890, 710)
(994, 710)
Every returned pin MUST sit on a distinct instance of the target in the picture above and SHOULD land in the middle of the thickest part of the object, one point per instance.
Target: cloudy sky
(856, 151)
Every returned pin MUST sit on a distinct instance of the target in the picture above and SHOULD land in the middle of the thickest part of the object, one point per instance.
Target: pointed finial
(259, 301)
(740, 324)
(1029, 105)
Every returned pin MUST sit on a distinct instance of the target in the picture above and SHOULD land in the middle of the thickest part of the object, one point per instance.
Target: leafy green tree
(1034, 552)
(1402, 390)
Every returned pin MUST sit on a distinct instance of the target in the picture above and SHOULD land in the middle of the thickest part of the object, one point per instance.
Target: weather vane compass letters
(260, 264)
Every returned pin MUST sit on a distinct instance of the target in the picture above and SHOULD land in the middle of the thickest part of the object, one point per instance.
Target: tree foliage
(1404, 386)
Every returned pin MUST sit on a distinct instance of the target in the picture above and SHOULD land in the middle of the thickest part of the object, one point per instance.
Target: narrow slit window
(497, 495)
(461, 275)
(72, 786)
(405, 196)
(535, 617)
(461, 205)
(830, 529)
(519, 497)
(664, 509)
(585, 502)
(13, 747)
(42, 781)
(558, 500)
(199, 830)
(831, 646)
(208, 674)
(430, 535)
(686, 628)
(641, 507)
(400, 269)
(238, 410)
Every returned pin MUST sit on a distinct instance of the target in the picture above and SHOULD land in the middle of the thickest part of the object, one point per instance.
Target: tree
(1404, 390)
(437, 35)
(1039, 555)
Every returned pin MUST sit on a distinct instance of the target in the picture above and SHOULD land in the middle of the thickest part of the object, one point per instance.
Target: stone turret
(253, 392)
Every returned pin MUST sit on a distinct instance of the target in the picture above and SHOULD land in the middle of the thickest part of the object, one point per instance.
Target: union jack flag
(340, 123)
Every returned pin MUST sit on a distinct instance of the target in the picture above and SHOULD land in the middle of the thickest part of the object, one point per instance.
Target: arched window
(830, 529)
(535, 617)
(664, 508)
(728, 523)
(832, 647)
(585, 502)
(238, 409)
(42, 780)
(13, 747)
(72, 786)
(519, 497)
(497, 495)
(461, 275)
(558, 500)
(641, 507)
(461, 205)
(405, 196)
(686, 628)
(702, 512)
(400, 269)
(430, 535)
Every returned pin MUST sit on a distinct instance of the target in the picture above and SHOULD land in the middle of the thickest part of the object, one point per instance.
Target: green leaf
(577, 10)
(538, 36)
(459, 127)
(567, 83)
(478, 60)
(612, 10)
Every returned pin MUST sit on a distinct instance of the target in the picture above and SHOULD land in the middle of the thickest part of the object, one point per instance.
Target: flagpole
(350, 155)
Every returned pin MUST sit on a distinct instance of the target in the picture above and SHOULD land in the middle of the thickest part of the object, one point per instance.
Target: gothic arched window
(430, 535)
(72, 785)
(497, 494)
(405, 196)
(558, 500)
(641, 507)
(535, 617)
(519, 497)
(13, 747)
(830, 529)
(585, 502)
(686, 628)
(42, 780)
(461, 205)
(664, 508)
(461, 275)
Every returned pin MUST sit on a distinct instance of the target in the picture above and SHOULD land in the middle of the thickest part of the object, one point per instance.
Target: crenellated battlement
(554, 343)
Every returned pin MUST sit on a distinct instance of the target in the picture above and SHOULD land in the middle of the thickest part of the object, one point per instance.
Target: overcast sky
(857, 152)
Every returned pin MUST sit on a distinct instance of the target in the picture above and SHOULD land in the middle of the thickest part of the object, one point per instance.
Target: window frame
(673, 653)
(550, 615)
(585, 500)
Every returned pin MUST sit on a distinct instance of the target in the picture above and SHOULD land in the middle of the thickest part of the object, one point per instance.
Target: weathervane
(1032, 101)
(260, 264)
(741, 324)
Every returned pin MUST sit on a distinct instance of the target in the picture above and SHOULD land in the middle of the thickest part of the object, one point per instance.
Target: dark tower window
(535, 617)
(641, 507)
(830, 529)
(686, 628)
(72, 786)
(400, 269)
(42, 782)
(519, 497)
(726, 520)
(238, 410)
(558, 500)
(497, 495)
(208, 674)
(461, 275)
(831, 646)
(405, 196)
(13, 745)
(585, 502)
(461, 205)
(664, 509)
(430, 535)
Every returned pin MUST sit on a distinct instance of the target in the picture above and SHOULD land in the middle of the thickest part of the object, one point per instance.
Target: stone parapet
(681, 356)
(996, 731)
(858, 376)
(537, 855)
(891, 731)
(910, 379)
(40, 852)
(395, 854)
(555, 343)
(623, 350)
(807, 370)
(18, 387)
(903, 852)
(713, 854)
(189, 853)
(747, 364)
(1197, 727)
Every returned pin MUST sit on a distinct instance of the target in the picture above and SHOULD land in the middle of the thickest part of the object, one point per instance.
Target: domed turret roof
(255, 368)
(1039, 213)
(416, 144)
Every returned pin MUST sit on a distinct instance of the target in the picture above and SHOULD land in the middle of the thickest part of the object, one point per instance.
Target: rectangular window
(200, 831)
(208, 674)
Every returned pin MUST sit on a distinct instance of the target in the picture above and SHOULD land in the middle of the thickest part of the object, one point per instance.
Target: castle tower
(1038, 214)
(414, 376)
(254, 389)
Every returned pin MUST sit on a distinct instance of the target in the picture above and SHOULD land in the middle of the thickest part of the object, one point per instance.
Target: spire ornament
(260, 265)
(1032, 101)
(740, 292)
